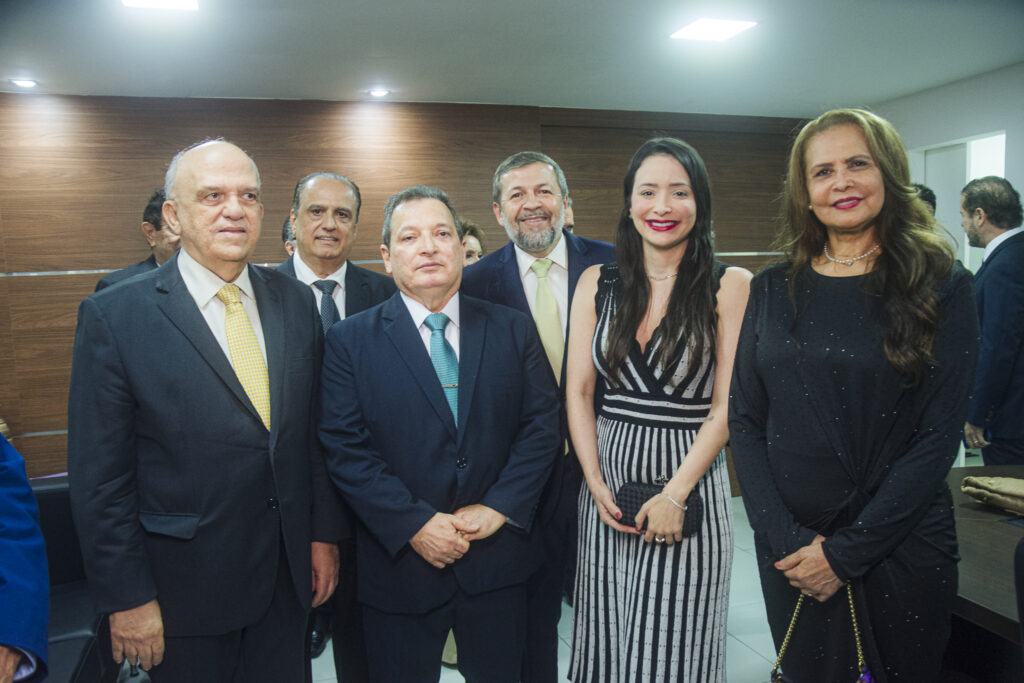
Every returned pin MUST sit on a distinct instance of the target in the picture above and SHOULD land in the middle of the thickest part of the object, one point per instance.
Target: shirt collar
(305, 274)
(559, 256)
(203, 284)
(996, 241)
(419, 312)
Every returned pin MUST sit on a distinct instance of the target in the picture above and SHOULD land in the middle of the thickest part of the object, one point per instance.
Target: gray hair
(172, 169)
(409, 194)
(301, 187)
(520, 159)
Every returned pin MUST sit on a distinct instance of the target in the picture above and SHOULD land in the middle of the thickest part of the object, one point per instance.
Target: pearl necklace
(851, 261)
(659, 278)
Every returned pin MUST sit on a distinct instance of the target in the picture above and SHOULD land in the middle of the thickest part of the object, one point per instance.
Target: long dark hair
(691, 306)
(914, 257)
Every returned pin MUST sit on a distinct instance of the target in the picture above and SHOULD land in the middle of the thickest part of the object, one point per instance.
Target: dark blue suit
(997, 403)
(125, 273)
(24, 589)
(496, 278)
(179, 491)
(394, 450)
(363, 288)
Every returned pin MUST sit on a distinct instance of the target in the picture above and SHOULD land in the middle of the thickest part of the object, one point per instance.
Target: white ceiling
(803, 57)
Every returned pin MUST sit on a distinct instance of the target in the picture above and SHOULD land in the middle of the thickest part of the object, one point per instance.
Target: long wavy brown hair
(914, 258)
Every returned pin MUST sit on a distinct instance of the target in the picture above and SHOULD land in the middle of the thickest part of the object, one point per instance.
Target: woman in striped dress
(660, 327)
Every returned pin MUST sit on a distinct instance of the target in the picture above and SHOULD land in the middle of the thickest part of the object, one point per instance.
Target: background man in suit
(162, 242)
(288, 236)
(536, 273)
(990, 211)
(440, 423)
(194, 473)
(324, 218)
(24, 590)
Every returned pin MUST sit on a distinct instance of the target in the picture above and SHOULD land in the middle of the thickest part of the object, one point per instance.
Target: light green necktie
(545, 314)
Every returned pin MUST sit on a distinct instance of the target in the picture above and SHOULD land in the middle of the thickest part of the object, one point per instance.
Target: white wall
(979, 105)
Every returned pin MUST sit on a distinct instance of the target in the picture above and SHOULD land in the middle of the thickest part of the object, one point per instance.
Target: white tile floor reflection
(749, 649)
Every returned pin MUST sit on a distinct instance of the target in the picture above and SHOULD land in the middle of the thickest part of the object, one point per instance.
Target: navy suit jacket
(496, 278)
(24, 588)
(997, 403)
(125, 273)
(179, 491)
(363, 288)
(394, 450)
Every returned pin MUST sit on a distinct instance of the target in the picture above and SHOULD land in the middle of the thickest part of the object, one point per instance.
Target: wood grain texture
(76, 172)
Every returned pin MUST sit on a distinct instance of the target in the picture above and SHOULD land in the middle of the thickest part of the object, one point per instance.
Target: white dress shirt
(996, 241)
(203, 285)
(305, 274)
(558, 279)
(419, 314)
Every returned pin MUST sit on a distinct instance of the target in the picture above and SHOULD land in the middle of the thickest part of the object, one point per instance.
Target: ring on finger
(659, 539)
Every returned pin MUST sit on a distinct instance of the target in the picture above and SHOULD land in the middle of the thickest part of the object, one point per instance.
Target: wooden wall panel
(76, 172)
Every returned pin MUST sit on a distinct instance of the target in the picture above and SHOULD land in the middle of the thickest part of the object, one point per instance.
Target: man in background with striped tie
(440, 423)
(324, 220)
(196, 482)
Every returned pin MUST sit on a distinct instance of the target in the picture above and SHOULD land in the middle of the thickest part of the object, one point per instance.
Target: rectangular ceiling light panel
(713, 29)
(163, 4)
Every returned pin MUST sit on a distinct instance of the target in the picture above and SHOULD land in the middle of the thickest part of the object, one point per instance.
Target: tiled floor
(749, 649)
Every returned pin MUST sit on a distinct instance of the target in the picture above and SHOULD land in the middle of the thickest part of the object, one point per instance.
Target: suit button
(272, 504)
(461, 463)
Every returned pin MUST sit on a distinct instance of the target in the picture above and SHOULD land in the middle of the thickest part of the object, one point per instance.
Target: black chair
(75, 655)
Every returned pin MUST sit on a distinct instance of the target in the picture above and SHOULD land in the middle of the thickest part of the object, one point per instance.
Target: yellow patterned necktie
(246, 358)
(545, 314)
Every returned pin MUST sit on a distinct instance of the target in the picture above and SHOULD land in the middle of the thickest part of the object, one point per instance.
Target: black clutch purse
(632, 495)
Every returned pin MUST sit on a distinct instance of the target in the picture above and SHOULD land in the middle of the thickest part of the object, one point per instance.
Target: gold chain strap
(789, 632)
(861, 663)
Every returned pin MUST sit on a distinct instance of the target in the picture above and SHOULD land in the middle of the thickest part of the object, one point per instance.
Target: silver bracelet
(673, 501)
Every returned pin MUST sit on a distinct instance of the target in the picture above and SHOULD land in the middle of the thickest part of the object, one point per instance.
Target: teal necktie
(446, 364)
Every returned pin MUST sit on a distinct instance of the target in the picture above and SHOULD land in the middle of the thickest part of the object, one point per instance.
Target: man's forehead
(423, 212)
(328, 191)
(512, 178)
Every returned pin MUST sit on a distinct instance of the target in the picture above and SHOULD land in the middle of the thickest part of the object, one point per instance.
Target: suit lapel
(510, 285)
(472, 334)
(356, 297)
(175, 301)
(406, 339)
(271, 317)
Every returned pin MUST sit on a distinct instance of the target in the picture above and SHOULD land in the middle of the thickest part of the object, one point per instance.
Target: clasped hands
(809, 571)
(664, 519)
(446, 538)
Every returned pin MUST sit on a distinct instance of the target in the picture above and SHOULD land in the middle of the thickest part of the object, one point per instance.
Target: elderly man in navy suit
(324, 219)
(196, 481)
(990, 212)
(536, 273)
(440, 422)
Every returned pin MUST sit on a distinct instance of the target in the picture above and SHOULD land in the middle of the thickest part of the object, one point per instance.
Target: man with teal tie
(440, 423)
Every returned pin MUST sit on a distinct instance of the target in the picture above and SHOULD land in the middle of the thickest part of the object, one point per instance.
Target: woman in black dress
(851, 381)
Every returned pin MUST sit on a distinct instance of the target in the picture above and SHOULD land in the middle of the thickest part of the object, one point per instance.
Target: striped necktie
(246, 357)
(328, 309)
(446, 364)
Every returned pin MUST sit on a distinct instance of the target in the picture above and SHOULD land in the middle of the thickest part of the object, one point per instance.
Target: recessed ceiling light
(24, 83)
(163, 4)
(380, 92)
(713, 29)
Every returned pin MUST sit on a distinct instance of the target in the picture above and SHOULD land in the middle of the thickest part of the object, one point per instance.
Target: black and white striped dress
(647, 611)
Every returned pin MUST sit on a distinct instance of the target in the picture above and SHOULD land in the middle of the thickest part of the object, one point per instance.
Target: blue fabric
(443, 358)
(24, 584)
(328, 309)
